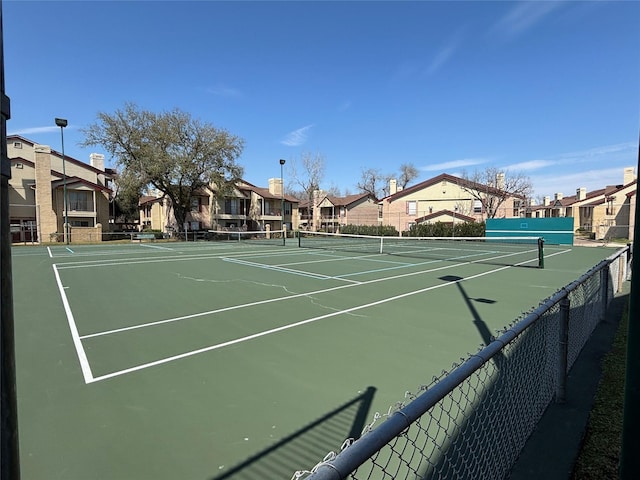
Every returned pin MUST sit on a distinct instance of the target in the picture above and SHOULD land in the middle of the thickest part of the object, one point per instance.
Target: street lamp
(282, 162)
(61, 122)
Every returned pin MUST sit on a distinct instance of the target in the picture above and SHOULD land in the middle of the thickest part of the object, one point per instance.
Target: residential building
(39, 178)
(330, 212)
(444, 198)
(608, 212)
(245, 207)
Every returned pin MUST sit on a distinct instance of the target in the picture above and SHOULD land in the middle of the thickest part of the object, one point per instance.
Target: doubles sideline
(90, 378)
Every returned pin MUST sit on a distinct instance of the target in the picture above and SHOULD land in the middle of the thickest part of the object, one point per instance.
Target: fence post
(565, 309)
(604, 292)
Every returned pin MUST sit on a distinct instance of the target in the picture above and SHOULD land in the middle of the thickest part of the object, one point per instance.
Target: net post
(540, 252)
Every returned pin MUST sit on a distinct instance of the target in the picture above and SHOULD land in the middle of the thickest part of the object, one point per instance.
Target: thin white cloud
(32, 130)
(297, 137)
(567, 184)
(345, 106)
(467, 162)
(523, 16)
(530, 165)
(224, 91)
(441, 58)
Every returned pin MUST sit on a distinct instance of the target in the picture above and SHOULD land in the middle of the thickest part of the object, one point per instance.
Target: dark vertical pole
(9, 458)
(565, 310)
(629, 458)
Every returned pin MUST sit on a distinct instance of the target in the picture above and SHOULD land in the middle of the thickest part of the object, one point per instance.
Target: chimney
(581, 193)
(500, 181)
(629, 175)
(97, 161)
(393, 186)
(275, 186)
(49, 207)
(546, 201)
(558, 196)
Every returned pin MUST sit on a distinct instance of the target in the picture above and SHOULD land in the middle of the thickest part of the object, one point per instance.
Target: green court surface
(213, 360)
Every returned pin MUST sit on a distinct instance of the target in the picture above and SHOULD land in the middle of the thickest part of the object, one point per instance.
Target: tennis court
(232, 359)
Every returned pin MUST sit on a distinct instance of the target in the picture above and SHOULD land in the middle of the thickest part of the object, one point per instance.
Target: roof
(444, 177)
(349, 199)
(67, 158)
(148, 199)
(263, 192)
(77, 180)
(448, 213)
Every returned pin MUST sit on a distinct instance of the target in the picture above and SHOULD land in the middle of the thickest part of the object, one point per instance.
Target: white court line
(142, 260)
(274, 300)
(289, 326)
(156, 246)
(50, 253)
(82, 356)
(278, 268)
(90, 379)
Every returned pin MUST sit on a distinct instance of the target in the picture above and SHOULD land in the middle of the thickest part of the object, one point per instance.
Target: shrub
(375, 230)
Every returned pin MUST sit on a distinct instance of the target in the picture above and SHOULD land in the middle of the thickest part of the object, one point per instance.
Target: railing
(474, 421)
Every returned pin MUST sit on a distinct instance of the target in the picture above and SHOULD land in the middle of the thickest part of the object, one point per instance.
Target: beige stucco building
(444, 198)
(608, 212)
(330, 212)
(39, 177)
(246, 207)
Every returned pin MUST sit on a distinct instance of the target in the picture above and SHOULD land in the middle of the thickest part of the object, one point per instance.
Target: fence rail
(474, 421)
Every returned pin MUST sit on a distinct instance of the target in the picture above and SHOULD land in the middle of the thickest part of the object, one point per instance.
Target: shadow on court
(483, 329)
(304, 448)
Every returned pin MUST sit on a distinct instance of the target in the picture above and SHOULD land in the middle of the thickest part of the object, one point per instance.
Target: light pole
(61, 122)
(282, 162)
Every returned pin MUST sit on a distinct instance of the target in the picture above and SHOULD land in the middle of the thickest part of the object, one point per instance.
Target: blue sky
(548, 89)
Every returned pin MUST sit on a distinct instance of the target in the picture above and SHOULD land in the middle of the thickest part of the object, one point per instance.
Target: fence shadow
(303, 448)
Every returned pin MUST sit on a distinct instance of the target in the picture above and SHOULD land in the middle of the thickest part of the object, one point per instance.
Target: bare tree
(306, 176)
(492, 187)
(374, 182)
(408, 173)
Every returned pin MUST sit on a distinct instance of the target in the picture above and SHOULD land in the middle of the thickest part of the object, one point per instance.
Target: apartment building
(39, 178)
(329, 212)
(444, 198)
(246, 207)
(607, 212)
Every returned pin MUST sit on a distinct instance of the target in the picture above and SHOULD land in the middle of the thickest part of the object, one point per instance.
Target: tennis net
(262, 237)
(526, 251)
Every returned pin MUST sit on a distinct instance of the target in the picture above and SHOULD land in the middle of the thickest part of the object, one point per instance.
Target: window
(79, 223)
(80, 200)
(610, 206)
(17, 144)
(412, 207)
(477, 206)
(231, 206)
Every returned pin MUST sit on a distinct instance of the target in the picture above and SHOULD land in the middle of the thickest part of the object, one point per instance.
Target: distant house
(245, 207)
(329, 212)
(443, 198)
(39, 178)
(604, 213)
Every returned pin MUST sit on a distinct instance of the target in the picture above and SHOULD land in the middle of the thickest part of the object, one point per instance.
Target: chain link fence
(473, 421)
